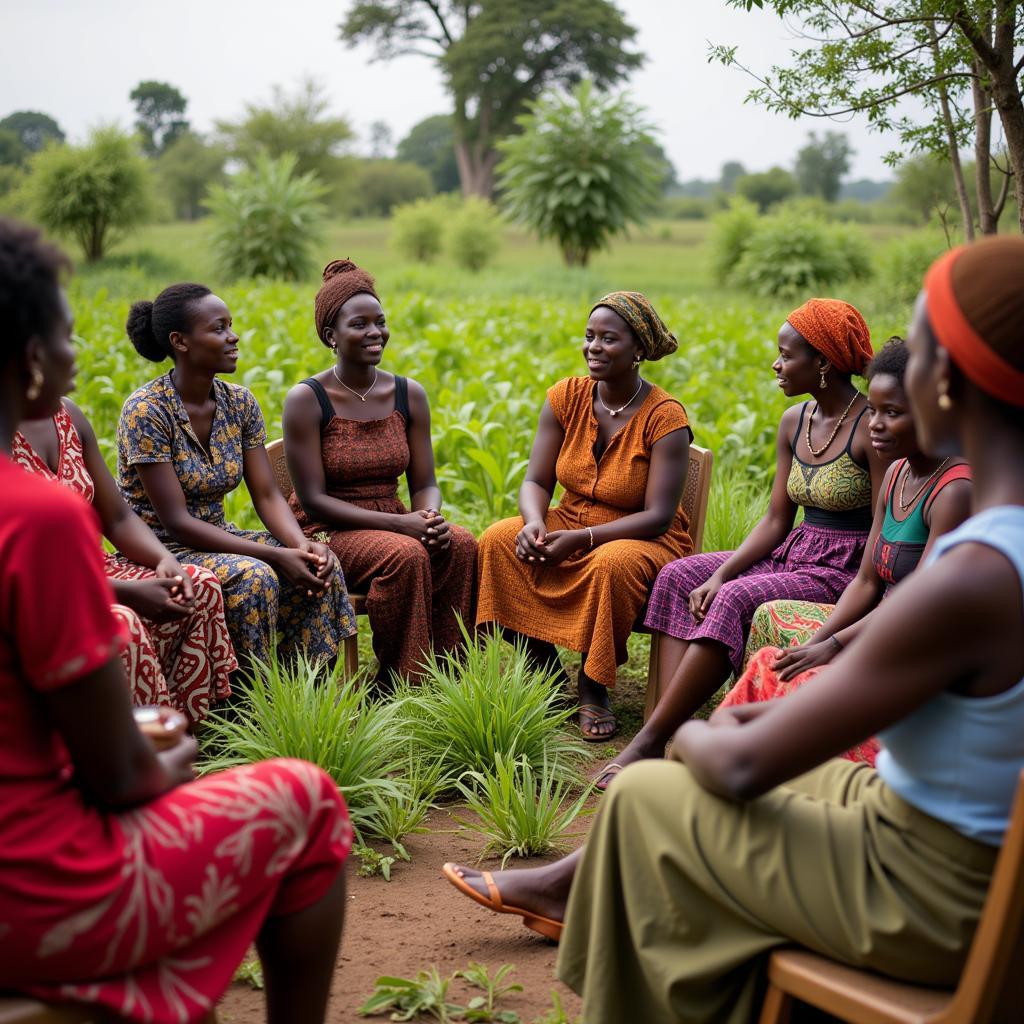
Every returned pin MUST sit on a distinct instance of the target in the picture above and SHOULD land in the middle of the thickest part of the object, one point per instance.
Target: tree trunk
(988, 218)
(476, 164)
(954, 153)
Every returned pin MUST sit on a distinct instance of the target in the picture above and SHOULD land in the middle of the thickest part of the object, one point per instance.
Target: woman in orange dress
(577, 575)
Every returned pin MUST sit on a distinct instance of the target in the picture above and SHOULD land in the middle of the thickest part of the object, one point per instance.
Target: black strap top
(327, 412)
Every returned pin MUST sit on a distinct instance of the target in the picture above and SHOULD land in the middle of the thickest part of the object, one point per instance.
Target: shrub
(903, 262)
(520, 809)
(687, 207)
(733, 229)
(301, 709)
(581, 169)
(381, 185)
(488, 703)
(93, 193)
(787, 257)
(417, 229)
(474, 234)
(266, 221)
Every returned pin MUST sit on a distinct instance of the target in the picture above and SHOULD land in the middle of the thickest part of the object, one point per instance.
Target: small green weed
(557, 1014)
(372, 863)
(520, 808)
(484, 1009)
(250, 972)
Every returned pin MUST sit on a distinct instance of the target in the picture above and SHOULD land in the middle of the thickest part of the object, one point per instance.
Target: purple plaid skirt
(813, 563)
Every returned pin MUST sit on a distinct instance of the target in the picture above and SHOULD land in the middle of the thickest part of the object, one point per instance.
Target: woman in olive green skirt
(750, 837)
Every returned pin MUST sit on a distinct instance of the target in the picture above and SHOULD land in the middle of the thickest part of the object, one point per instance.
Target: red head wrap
(342, 280)
(975, 301)
(837, 330)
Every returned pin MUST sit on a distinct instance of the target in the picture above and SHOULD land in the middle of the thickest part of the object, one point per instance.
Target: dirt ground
(418, 920)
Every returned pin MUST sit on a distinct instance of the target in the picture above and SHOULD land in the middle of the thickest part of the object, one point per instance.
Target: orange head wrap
(837, 330)
(342, 280)
(974, 296)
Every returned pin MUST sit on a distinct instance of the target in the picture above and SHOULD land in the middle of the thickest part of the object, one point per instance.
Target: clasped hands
(427, 526)
(535, 544)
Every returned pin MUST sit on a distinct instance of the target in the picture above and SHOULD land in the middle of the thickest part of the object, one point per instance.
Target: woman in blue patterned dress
(185, 440)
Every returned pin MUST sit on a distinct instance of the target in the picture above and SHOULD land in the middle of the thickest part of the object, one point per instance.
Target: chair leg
(652, 676)
(776, 1007)
(351, 651)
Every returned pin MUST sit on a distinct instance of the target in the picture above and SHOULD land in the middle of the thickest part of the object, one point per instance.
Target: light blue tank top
(959, 758)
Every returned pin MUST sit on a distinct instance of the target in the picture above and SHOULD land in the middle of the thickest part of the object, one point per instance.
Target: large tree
(821, 164)
(431, 144)
(33, 129)
(960, 58)
(496, 57)
(159, 115)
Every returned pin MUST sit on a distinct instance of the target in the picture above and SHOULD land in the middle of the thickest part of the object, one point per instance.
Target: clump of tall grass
(300, 708)
(521, 810)
(487, 702)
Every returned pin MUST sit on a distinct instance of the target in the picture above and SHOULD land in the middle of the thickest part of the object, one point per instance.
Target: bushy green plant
(474, 234)
(401, 811)
(300, 708)
(733, 229)
(791, 257)
(581, 169)
(266, 220)
(520, 810)
(487, 703)
(94, 193)
(903, 262)
(417, 229)
(381, 185)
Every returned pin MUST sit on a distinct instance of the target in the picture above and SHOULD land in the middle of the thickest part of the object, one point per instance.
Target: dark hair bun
(140, 330)
(336, 267)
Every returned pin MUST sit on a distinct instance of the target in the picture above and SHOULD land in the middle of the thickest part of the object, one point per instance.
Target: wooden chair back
(696, 491)
(991, 986)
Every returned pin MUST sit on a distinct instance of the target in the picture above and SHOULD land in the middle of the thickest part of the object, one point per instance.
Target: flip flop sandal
(612, 769)
(545, 926)
(592, 715)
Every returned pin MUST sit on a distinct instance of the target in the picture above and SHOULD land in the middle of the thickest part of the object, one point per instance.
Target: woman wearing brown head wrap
(577, 575)
(700, 607)
(749, 838)
(350, 433)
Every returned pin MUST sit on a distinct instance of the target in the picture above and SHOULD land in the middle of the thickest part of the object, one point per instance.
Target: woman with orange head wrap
(701, 606)
(350, 432)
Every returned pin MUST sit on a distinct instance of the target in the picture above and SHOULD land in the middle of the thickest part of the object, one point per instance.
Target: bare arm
(903, 659)
(423, 490)
(115, 765)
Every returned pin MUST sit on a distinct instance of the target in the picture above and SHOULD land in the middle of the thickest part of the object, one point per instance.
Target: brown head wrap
(975, 301)
(654, 337)
(342, 280)
(837, 330)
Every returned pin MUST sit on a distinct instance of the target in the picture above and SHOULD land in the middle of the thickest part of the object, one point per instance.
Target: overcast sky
(77, 60)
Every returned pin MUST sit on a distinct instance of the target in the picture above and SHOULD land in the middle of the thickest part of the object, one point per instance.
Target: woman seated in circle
(178, 652)
(702, 605)
(350, 433)
(755, 834)
(187, 439)
(578, 574)
(127, 884)
(905, 528)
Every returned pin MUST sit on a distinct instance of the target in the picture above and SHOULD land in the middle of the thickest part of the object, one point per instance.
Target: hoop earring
(822, 383)
(945, 402)
(35, 385)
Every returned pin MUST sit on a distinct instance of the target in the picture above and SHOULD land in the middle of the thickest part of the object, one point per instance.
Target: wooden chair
(695, 501)
(15, 1010)
(991, 987)
(350, 649)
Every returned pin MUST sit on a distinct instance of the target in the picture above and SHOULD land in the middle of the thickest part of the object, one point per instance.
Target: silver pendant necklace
(361, 397)
(615, 412)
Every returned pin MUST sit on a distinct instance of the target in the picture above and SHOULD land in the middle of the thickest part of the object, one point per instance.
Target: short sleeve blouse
(154, 427)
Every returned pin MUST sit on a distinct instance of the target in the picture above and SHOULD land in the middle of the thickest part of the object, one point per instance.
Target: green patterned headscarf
(654, 337)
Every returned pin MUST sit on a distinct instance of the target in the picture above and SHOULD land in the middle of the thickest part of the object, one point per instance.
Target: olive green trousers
(681, 894)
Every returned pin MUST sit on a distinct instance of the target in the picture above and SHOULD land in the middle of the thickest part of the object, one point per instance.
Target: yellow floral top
(154, 427)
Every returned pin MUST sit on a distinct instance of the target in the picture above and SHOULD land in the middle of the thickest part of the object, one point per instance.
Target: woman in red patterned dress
(178, 652)
(123, 882)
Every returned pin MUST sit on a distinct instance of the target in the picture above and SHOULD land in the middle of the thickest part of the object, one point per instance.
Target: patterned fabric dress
(590, 602)
(155, 427)
(816, 562)
(145, 912)
(779, 624)
(413, 598)
(185, 663)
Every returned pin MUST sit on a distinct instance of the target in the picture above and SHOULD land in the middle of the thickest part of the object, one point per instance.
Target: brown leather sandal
(545, 926)
(591, 715)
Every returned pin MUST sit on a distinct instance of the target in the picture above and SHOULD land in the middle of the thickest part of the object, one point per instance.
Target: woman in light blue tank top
(750, 837)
